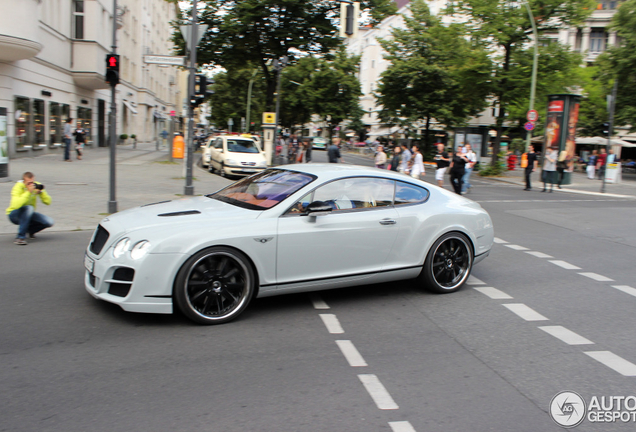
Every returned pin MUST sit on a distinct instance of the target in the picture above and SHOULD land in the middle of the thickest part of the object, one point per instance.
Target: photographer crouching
(22, 212)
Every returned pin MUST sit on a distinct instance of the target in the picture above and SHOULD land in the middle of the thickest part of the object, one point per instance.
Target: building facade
(52, 67)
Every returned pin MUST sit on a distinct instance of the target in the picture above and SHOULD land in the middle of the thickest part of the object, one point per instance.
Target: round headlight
(231, 162)
(140, 249)
(120, 247)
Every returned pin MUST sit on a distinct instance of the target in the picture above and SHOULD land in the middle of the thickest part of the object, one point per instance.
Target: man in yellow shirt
(22, 212)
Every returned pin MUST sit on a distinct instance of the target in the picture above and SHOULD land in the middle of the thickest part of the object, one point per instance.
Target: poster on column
(570, 142)
(555, 123)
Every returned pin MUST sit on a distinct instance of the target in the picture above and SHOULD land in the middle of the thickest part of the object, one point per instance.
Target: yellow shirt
(20, 196)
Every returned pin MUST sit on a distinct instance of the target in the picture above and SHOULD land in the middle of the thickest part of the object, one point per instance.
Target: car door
(355, 238)
(216, 153)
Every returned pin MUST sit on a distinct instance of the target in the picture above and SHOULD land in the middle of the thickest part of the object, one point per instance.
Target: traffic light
(112, 69)
(200, 90)
(349, 13)
(605, 129)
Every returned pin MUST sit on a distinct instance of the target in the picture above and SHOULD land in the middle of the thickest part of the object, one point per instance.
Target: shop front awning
(603, 141)
(130, 106)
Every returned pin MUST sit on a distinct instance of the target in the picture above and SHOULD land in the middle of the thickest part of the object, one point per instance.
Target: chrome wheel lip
(216, 286)
(449, 263)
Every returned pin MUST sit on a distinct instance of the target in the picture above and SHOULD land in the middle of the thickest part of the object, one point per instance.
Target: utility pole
(189, 187)
(533, 85)
(610, 130)
(112, 202)
(279, 65)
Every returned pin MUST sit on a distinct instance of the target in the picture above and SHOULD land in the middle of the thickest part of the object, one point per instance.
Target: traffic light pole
(612, 107)
(189, 187)
(112, 202)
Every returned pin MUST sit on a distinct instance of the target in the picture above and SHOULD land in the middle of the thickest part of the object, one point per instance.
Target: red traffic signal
(112, 69)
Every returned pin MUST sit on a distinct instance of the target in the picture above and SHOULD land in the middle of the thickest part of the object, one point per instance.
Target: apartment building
(52, 67)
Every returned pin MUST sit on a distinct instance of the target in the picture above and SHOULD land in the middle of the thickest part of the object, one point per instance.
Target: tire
(211, 168)
(448, 263)
(222, 170)
(214, 286)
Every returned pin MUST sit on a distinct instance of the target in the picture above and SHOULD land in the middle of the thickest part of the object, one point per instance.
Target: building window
(22, 119)
(78, 19)
(598, 40)
(38, 122)
(609, 4)
(55, 123)
(84, 118)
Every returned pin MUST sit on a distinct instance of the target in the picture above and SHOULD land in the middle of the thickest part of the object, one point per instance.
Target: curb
(564, 189)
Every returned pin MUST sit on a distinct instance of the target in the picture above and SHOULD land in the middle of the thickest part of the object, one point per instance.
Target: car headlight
(231, 162)
(140, 249)
(121, 247)
(262, 164)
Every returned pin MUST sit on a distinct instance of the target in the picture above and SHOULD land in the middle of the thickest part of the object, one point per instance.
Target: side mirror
(318, 208)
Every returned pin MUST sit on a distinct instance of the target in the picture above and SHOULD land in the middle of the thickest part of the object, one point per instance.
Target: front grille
(122, 281)
(248, 163)
(124, 274)
(119, 289)
(99, 240)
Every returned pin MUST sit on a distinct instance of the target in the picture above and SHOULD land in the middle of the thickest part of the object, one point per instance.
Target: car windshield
(264, 190)
(242, 146)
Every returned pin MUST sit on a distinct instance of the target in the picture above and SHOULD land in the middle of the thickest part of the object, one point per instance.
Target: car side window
(301, 205)
(218, 144)
(356, 193)
(406, 193)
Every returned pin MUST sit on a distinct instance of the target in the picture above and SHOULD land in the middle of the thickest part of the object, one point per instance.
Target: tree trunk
(427, 143)
(501, 117)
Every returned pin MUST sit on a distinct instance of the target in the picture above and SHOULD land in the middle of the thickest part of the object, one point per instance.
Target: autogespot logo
(567, 409)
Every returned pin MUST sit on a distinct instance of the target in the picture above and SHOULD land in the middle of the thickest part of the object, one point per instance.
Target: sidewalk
(80, 189)
(580, 184)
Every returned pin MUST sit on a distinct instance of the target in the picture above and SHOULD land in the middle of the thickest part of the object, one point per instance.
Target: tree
(259, 31)
(435, 73)
(504, 28)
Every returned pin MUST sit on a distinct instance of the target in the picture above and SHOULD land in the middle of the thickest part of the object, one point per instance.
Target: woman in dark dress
(457, 170)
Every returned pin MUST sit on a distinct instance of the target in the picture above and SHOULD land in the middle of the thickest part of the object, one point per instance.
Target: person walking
(417, 163)
(471, 161)
(308, 149)
(80, 140)
(380, 158)
(67, 140)
(396, 161)
(600, 163)
(21, 210)
(591, 165)
(457, 170)
(333, 152)
(406, 160)
(549, 168)
(531, 166)
(562, 165)
(443, 161)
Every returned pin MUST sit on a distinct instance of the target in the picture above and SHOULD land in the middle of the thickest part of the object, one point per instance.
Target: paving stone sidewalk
(80, 189)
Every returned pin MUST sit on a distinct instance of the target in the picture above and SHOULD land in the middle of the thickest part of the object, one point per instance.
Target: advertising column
(4, 146)
(560, 132)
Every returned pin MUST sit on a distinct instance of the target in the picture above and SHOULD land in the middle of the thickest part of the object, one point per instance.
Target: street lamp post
(112, 201)
(533, 84)
(249, 100)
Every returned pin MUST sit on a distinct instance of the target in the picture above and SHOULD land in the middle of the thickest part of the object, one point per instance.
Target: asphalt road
(386, 357)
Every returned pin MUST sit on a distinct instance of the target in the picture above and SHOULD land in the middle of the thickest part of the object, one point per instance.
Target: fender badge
(263, 239)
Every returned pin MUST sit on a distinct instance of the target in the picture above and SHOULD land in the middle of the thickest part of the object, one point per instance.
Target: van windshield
(242, 146)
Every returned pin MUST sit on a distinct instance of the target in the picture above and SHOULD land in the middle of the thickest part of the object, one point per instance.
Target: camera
(38, 186)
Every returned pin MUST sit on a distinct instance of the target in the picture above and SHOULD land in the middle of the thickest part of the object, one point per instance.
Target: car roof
(327, 171)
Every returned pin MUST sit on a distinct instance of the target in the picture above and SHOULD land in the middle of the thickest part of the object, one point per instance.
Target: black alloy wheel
(215, 285)
(448, 263)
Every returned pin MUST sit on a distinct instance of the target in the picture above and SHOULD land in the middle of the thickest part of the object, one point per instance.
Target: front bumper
(242, 170)
(143, 285)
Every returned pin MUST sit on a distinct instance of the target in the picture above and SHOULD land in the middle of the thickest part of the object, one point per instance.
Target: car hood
(173, 215)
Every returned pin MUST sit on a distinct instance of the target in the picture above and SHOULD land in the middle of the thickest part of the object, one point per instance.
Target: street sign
(165, 60)
(532, 116)
(269, 118)
(185, 31)
(230, 122)
(529, 126)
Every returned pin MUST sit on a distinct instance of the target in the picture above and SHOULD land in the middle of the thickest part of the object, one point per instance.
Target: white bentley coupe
(285, 230)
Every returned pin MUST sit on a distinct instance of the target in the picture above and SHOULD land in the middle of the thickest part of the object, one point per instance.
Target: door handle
(388, 222)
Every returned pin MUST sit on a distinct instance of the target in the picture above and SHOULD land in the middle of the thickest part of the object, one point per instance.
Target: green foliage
(133, 136)
(496, 169)
(123, 136)
(517, 145)
(593, 111)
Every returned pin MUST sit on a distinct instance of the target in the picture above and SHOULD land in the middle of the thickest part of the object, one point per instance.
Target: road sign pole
(112, 201)
(189, 188)
(533, 84)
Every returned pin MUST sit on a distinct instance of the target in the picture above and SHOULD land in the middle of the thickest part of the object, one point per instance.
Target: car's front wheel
(448, 263)
(215, 285)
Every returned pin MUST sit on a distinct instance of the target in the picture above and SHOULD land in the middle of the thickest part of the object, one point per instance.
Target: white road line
(493, 293)
(626, 289)
(472, 280)
(378, 392)
(401, 426)
(516, 247)
(318, 302)
(613, 361)
(525, 312)
(567, 336)
(498, 240)
(597, 277)
(332, 323)
(565, 265)
(351, 353)
(539, 254)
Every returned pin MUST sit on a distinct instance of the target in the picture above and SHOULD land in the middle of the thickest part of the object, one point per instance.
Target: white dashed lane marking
(626, 289)
(472, 280)
(332, 323)
(493, 293)
(378, 392)
(516, 247)
(318, 302)
(565, 265)
(613, 361)
(351, 353)
(498, 240)
(539, 254)
(525, 312)
(401, 426)
(567, 336)
(597, 277)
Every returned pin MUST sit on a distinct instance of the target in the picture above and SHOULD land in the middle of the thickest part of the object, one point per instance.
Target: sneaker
(20, 241)
(31, 236)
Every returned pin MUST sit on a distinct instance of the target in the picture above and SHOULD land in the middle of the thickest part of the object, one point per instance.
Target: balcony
(19, 30)
(89, 64)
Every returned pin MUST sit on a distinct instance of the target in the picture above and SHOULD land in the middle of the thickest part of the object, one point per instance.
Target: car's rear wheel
(222, 170)
(448, 263)
(215, 285)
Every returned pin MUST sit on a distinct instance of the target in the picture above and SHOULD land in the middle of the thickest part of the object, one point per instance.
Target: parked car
(319, 143)
(233, 155)
(209, 256)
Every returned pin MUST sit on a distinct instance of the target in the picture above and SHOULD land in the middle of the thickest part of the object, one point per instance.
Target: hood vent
(180, 213)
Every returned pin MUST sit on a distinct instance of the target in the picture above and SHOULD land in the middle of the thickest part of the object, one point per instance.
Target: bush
(123, 136)
(494, 170)
(133, 136)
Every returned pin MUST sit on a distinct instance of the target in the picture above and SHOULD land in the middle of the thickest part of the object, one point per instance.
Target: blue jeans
(29, 221)
(67, 148)
(466, 180)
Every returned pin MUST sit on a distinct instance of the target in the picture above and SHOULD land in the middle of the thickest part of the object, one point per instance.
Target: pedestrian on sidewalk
(396, 161)
(406, 160)
(457, 170)
(472, 160)
(308, 147)
(600, 163)
(531, 166)
(443, 162)
(549, 168)
(21, 210)
(417, 163)
(380, 158)
(67, 139)
(333, 152)
(80, 139)
(591, 165)
(562, 165)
